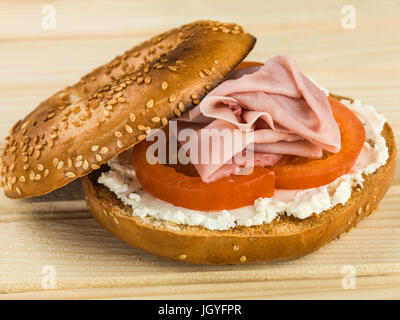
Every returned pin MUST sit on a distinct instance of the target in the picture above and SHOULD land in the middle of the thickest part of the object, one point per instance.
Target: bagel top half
(116, 105)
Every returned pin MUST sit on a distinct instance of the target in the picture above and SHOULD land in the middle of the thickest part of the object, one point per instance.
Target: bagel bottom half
(283, 239)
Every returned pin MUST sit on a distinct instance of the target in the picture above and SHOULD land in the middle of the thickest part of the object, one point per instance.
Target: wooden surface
(57, 230)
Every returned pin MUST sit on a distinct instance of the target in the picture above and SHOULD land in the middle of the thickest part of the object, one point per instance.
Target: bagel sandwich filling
(268, 141)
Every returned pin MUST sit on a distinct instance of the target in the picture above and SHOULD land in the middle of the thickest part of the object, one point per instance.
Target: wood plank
(57, 229)
(85, 255)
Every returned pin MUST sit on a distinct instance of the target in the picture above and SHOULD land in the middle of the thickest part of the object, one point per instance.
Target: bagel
(282, 239)
(115, 106)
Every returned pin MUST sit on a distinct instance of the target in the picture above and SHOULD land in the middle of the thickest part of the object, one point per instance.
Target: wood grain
(57, 229)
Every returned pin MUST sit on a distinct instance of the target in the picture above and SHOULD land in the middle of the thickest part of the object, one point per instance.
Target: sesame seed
(172, 97)
(182, 256)
(164, 121)
(132, 117)
(147, 80)
(78, 164)
(79, 158)
(142, 136)
(243, 259)
(194, 96)
(99, 158)
(94, 148)
(139, 80)
(201, 74)
(141, 127)
(60, 165)
(172, 68)
(156, 119)
(69, 163)
(95, 166)
(22, 179)
(70, 174)
(94, 104)
(150, 103)
(164, 85)
(177, 112)
(55, 162)
(85, 165)
(359, 211)
(196, 101)
(118, 134)
(148, 130)
(119, 144)
(236, 248)
(46, 172)
(18, 190)
(36, 155)
(38, 177)
(104, 150)
(40, 167)
(181, 106)
(128, 128)
(367, 208)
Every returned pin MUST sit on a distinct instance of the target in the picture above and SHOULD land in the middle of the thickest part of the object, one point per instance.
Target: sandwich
(190, 153)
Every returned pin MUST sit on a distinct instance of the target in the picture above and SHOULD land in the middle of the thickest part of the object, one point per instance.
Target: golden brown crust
(120, 103)
(286, 238)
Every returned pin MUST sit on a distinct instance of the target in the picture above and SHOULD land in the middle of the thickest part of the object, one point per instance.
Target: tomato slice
(246, 64)
(191, 192)
(315, 173)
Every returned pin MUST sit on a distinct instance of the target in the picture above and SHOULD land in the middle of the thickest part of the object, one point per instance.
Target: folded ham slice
(284, 110)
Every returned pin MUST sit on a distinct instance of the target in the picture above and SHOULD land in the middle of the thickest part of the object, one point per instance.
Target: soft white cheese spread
(298, 203)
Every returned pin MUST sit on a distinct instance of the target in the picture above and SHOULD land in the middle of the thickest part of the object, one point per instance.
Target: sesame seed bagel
(282, 239)
(115, 106)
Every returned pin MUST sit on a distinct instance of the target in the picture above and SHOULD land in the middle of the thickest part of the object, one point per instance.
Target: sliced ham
(284, 110)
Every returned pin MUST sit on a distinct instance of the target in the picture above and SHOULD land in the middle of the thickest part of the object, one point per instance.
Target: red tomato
(246, 64)
(235, 191)
(315, 173)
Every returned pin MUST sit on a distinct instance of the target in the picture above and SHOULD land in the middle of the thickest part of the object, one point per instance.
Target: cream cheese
(297, 203)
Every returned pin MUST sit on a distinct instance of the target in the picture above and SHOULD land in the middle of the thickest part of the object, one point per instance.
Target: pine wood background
(57, 229)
